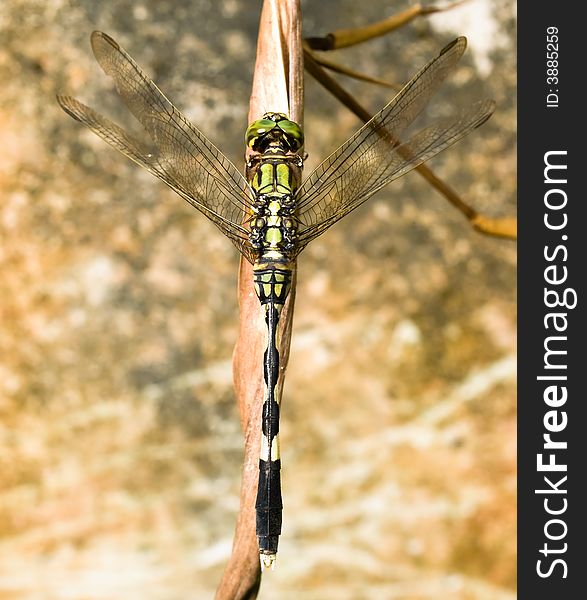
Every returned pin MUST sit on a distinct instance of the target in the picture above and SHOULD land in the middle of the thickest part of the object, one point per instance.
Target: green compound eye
(257, 129)
(287, 131)
(294, 134)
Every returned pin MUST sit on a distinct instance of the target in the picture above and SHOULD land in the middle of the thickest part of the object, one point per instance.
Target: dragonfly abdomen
(272, 284)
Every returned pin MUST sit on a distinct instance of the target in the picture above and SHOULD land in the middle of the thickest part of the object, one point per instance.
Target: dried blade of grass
(278, 87)
(343, 70)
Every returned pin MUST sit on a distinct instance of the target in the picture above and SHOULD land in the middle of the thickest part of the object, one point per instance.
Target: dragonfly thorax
(274, 173)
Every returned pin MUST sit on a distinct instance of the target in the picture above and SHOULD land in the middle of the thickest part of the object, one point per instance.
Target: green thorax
(274, 175)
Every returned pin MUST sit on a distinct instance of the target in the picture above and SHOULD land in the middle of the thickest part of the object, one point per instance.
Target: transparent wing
(376, 155)
(177, 153)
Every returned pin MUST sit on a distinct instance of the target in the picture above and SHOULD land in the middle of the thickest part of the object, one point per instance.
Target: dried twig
(277, 86)
(343, 38)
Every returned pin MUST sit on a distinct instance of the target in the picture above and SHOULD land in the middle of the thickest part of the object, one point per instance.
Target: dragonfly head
(274, 129)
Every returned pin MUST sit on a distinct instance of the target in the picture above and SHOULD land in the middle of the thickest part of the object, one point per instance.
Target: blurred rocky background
(120, 445)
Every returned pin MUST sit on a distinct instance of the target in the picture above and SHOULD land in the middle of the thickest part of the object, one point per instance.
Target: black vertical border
(541, 129)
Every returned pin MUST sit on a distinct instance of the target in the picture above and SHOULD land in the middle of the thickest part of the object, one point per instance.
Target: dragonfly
(270, 214)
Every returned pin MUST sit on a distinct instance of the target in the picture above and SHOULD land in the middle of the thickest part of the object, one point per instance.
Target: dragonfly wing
(178, 153)
(376, 155)
(399, 160)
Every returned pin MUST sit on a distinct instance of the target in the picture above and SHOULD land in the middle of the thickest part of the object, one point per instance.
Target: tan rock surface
(120, 446)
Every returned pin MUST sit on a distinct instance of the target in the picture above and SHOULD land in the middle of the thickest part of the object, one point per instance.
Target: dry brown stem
(278, 87)
(342, 38)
